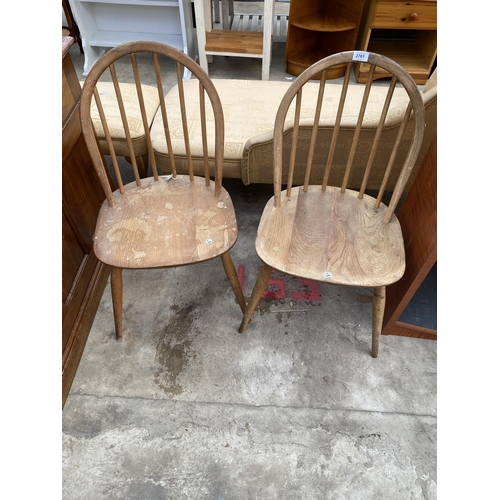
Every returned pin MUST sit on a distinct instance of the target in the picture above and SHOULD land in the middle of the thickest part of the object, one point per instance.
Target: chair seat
(318, 232)
(169, 222)
(134, 119)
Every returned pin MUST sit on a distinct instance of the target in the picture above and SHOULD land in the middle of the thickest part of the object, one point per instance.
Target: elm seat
(131, 103)
(250, 108)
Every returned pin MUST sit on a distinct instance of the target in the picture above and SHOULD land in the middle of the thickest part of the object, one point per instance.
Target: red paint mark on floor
(312, 291)
(276, 287)
(241, 277)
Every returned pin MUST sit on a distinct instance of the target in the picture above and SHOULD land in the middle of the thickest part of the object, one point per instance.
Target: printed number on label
(360, 56)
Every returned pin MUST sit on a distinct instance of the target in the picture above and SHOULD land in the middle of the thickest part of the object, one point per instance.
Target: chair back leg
(117, 297)
(378, 307)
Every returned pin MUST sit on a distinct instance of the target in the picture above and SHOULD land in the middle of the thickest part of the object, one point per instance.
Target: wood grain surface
(318, 232)
(165, 223)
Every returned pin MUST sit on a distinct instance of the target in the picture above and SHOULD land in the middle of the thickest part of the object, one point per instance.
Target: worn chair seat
(157, 224)
(134, 120)
(316, 235)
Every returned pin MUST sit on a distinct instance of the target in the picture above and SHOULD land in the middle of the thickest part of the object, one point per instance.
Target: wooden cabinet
(107, 23)
(318, 28)
(83, 276)
(405, 31)
(418, 219)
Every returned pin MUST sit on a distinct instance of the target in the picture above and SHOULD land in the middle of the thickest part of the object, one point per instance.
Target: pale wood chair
(159, 221)
(333, 234)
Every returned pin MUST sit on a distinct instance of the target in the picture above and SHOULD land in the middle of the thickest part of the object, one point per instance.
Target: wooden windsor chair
(159, 221)
(333, 234)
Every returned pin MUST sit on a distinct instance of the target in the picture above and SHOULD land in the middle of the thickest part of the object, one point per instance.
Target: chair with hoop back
(333, 234)
(159, 221)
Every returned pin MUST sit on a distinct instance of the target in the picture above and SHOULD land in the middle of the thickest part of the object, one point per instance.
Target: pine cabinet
(318, 28)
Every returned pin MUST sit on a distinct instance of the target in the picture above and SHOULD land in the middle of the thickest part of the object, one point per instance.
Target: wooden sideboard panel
(84, 277)
(418, 219)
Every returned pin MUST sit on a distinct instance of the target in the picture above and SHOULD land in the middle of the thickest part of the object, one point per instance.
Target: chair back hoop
(415, 110)
(90, 93)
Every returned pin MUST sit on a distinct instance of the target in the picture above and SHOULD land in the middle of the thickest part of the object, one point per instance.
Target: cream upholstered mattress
(250, 108)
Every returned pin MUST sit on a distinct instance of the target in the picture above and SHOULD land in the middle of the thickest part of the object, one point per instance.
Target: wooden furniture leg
(216, 7)
(378, 306)
(142, 164)
(203, 23)
(257, 292)
(72, 27)
(232, 275)
(227, 7)
(267, 37)
(117, 296)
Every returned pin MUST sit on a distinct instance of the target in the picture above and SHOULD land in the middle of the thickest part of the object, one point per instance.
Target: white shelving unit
(107, 23)
(227, 42)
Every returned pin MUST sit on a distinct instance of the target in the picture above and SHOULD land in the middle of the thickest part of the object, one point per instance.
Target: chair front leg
(257, 292)
(378, 307)
(117, 297)
(232, 275)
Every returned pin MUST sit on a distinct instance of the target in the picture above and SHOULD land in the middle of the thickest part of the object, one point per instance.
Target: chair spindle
(164, 116)
(123, 115)
(295, 138)
(203, 120)
(142, 106)
(393, 157)
(314, 132)
(357, 130)
(405, 172)
(376, 139)
(102, 115)
(336, 129)
(185, 130)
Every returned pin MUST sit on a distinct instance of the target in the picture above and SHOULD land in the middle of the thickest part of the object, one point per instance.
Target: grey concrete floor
(185, 407)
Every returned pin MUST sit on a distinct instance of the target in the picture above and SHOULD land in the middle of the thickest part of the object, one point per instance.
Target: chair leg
(378, 306)
(117, 297)
(232, 275)
(142, 164)
(257, 291)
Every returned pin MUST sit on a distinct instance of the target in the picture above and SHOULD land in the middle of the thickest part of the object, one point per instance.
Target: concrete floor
(185, 407)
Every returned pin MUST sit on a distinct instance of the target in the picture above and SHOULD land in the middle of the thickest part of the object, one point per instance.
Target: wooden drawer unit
(405, 15)
(403, 31)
